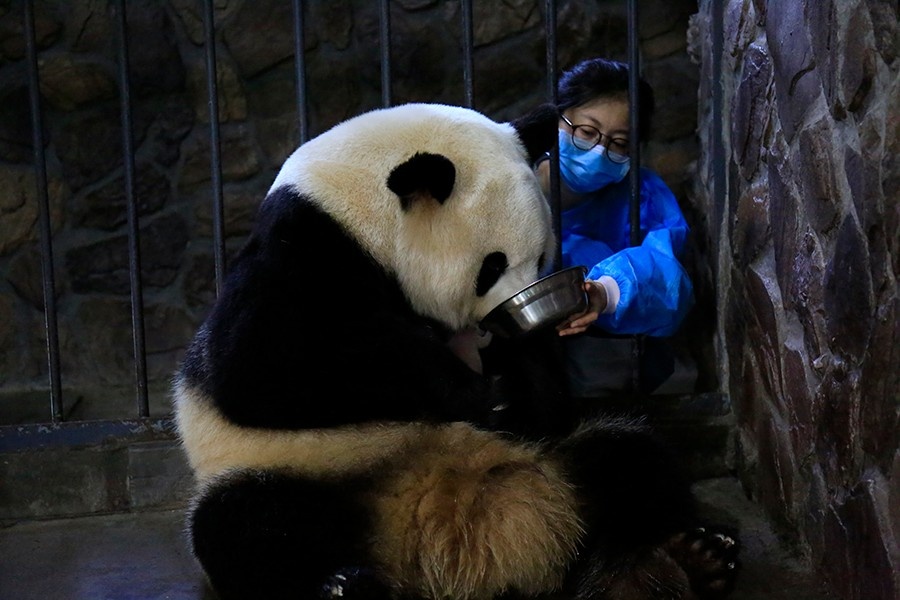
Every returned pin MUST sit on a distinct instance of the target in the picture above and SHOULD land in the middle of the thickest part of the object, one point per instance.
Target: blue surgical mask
(587, 170)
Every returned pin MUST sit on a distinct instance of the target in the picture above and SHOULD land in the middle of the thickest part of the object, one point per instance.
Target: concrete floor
(143, 556)
(133, 556)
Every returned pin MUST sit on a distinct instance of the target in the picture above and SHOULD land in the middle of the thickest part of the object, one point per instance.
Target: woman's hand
(597, 300)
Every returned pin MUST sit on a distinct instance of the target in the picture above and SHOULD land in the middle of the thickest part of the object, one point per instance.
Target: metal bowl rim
(523, 297)
(531, 291)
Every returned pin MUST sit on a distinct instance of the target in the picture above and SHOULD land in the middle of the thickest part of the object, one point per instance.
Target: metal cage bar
(634, 174)
(131, 205)
(384, 23)
(634, 100)
(209, 30)
(468, 53)
(300, 71)
(553, 97)
(40, 166)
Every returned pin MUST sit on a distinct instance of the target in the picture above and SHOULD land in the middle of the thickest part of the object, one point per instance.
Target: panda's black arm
(388, 369)
(310, 331)
(404, 363)
(529, 377)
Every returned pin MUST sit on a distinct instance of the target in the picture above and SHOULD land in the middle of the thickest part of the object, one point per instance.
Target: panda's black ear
(421, 177)
(538, 130)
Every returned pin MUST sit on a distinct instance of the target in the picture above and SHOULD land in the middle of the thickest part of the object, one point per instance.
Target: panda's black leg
(701, 564)
(636, 506)
(275, 535)
(630, 484)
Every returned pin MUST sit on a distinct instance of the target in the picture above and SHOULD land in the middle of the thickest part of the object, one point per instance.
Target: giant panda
(342, 448)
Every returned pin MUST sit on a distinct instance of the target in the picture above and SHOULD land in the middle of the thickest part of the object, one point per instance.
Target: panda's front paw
(496, 404)
(709, 557)
(353, 583)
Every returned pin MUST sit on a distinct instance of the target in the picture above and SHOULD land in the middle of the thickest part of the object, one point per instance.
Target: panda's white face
(441, 196)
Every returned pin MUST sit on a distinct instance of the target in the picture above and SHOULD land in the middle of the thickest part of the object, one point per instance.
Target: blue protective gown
(655, 290)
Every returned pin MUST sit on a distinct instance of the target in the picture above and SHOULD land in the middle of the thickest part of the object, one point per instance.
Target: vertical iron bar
(131, 204)
(40, 166)
(553, 95)
(385, 28)
(468, 52)
(300, 70)
(634, 75)
(552, 91)
(214, 146)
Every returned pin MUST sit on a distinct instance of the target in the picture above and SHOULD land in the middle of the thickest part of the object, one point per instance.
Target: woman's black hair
(603, 78)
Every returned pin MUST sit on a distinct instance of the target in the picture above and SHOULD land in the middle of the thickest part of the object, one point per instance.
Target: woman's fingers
(579, 324)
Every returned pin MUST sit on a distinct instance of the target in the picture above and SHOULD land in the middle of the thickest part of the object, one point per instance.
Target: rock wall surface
(804, 211)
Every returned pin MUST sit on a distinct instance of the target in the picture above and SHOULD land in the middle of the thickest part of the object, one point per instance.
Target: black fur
(277, 297)
(492, 267)
(644, 535)
(274, 535)
(651, 499)
(522, 371)
(424, 175)
(538, 130)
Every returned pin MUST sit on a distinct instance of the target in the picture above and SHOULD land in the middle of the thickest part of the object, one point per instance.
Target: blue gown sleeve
(582, 250)
(655, 290)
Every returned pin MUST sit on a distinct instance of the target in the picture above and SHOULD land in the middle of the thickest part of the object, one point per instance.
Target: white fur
(434, 250)
(459, 512)
(215, 445)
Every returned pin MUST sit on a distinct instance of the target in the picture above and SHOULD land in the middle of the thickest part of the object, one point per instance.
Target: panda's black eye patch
(493, 266)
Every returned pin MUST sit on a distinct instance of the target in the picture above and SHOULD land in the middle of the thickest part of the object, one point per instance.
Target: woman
(642, 289)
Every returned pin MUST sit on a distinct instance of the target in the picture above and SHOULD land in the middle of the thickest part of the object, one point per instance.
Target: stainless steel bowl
(545, 303)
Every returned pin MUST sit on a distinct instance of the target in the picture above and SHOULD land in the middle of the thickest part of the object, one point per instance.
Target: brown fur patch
(472, 515)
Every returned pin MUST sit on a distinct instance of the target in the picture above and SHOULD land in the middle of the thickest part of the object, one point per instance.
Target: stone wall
(259, 128)
(805, 229)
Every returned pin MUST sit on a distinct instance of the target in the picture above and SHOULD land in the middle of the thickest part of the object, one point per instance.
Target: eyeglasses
(585, 137)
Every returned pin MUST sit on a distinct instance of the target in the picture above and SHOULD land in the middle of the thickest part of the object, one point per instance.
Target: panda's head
(442, 197)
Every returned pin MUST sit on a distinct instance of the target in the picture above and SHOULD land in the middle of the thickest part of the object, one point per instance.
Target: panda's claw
(709, 558)
(353, 583)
